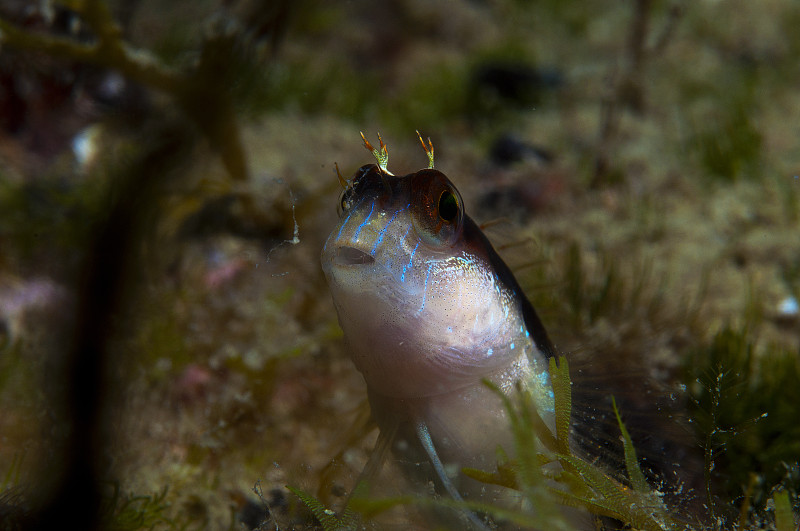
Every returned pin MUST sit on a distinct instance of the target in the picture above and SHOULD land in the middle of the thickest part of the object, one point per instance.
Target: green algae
(744, 398)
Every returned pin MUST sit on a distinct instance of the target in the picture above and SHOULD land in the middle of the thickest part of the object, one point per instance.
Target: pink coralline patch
(225, 273)
(25, 295)
(193, 384)
(301, 392)
(24, 302)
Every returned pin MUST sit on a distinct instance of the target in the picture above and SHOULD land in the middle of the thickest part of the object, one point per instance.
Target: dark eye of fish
(448, 206)
(438, 214)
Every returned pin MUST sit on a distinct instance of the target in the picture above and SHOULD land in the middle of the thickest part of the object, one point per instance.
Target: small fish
(429, 310)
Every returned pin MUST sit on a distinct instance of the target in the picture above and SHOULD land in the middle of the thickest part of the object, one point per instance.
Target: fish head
(414, 285)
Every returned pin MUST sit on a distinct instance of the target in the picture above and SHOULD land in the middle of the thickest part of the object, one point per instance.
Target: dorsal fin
(668, 452)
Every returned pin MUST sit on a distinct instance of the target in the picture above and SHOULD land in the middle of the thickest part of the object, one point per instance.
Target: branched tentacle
(381, 154)
(428, 149)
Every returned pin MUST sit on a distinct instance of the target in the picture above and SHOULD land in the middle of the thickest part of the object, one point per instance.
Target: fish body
(429, 311)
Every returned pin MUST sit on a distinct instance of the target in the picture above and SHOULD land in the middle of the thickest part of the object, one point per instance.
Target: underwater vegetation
(743, 402)
(667, 199)
(579, 483)
(742, 410)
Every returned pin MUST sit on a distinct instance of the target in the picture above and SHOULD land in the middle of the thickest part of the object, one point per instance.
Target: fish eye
(448, 206)
(437, 211)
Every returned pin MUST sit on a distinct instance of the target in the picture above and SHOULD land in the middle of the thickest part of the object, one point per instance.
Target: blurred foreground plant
(223, 78)
(576, 482)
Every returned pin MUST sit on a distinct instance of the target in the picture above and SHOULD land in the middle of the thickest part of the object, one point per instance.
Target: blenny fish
(429, 311)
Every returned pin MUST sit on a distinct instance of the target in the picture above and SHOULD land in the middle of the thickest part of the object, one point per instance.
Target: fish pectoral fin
(424, 436)
(375, 462)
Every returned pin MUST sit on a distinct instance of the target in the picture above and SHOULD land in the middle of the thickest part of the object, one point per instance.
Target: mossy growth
(122, 512)
(588, 289)
(47, 217)
(435, 96)
(118, 511)
(744, 408)
(726, 142)
(322, 87)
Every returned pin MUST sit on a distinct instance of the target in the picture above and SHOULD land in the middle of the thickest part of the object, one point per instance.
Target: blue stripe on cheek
(407, 231)
(413, 253)
(403, 240)
(425, 292)
(342, 225)
(383, 232)
(405, 267)
(363, 223)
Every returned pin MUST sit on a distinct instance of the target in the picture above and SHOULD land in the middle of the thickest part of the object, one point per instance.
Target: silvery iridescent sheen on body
(429, 310)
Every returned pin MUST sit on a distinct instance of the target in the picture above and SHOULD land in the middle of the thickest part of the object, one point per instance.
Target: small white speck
(789, 307)
(84, 145)
(512, 346)
(489, 352)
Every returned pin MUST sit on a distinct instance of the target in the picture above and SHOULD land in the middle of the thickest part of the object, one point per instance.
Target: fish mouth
(350, 256)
